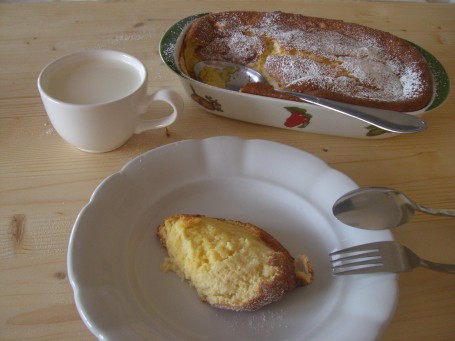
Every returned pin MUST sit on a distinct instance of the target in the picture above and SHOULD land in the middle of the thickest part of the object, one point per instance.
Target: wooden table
(44, 182)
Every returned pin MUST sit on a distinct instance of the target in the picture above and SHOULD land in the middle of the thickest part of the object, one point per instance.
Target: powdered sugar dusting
(237, 48)
(309, 54)
(410, 81)
(49, 129)
(265, 321)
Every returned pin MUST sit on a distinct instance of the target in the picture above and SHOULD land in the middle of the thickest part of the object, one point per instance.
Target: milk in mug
(94, 81)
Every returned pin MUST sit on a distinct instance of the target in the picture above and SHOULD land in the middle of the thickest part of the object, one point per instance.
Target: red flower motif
(299, 118)
(295, 120)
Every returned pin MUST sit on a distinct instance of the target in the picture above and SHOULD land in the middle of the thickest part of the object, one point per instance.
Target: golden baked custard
(328, 58)
(232, 265)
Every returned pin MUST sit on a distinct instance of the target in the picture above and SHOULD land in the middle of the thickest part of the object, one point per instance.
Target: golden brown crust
(263, 89)
(328, 58)
(289, 276)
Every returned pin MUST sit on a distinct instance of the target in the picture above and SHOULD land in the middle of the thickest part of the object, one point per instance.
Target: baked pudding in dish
(332, 59)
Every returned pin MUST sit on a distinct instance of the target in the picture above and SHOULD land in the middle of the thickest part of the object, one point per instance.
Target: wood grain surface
(44, 182)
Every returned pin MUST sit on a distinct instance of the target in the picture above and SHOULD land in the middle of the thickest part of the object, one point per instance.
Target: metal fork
(387, 256)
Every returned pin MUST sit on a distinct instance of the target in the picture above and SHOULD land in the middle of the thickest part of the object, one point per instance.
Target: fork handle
(447, 268)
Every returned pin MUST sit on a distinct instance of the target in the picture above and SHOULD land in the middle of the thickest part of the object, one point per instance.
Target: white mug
(96, 99)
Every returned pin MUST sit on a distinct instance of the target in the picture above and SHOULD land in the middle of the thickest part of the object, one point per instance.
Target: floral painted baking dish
(281, 113)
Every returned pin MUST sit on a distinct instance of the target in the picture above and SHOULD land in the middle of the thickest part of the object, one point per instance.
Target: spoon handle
(392, 121)
(432, 211)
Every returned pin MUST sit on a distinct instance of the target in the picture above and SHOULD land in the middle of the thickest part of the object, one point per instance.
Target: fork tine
(345, 257)
(358, 270)
(371, 261)
(363, 247)
(365, 258)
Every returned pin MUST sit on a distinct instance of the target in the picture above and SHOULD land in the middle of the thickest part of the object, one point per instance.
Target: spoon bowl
(237, 76)
(379, 208)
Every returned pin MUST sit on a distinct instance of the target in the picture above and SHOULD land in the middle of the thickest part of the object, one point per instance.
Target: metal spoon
(392, 121)
(379, 208)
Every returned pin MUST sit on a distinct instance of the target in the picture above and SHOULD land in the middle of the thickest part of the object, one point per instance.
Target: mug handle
(169, 96)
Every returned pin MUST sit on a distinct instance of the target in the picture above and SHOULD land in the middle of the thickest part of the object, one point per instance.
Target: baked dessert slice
(328, 58)
(232, 265)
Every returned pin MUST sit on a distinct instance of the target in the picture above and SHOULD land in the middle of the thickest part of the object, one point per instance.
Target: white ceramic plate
(114, 256)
